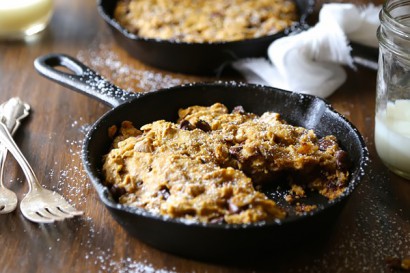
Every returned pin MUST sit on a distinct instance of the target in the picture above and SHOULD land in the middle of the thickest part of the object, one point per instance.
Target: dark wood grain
(375, 223)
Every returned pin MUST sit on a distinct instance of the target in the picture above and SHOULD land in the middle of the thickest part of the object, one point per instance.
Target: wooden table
(374, 225)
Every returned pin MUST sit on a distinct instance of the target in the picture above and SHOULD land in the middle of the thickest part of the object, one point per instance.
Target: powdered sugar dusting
(133, 77)
(128, 265)
(107, 261)
(74, 182)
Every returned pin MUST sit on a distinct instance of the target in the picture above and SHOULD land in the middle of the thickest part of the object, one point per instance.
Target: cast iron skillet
(193, 58)
(196, 240)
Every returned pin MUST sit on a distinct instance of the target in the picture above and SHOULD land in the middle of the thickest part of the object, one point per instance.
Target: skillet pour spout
(199, 240)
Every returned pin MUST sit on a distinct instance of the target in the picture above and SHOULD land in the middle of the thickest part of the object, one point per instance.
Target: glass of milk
(23, 18)
(392, 122)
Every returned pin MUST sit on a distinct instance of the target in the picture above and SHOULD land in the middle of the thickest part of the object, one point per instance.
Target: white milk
(392, 136)
(20, 18)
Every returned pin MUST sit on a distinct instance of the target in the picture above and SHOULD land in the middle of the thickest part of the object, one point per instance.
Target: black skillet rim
(299, 25)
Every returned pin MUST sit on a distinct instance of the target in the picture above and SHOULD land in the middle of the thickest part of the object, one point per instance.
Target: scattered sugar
(74, 182)
(128, 265)
(133, 78)
(20, 180)
(72, 178)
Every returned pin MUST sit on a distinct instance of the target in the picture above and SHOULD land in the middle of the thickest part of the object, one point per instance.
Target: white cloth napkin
(358, 23)
(311, 61)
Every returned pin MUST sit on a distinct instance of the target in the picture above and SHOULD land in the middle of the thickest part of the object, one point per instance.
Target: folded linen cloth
(311, 61)
(358, 23)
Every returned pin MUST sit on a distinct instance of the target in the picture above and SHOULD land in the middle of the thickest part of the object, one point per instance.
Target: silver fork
(8, 199)
(39, 205)
(11, 112)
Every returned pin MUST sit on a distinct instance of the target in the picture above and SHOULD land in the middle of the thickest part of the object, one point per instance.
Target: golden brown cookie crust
(205, 20)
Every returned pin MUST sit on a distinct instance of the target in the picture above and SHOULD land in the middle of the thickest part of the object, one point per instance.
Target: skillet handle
(82, 79)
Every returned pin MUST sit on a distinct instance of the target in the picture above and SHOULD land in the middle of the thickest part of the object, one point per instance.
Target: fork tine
(66, 207)
(33, 216)
(47, 214)
(69, 209)
(59, 213)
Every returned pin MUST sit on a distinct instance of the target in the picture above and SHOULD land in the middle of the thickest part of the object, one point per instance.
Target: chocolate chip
(342, 160)
(164, 192)
(139, 183)
(325, 143)
(186, 125)
(117, 192)
(235, 151)
(203, 125)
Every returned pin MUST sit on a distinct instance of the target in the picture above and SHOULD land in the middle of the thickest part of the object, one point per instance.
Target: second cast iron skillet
(198, 240)
(194, 58)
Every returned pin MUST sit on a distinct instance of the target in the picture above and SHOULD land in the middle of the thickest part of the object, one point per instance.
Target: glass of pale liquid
(23, 18)
(392, 122)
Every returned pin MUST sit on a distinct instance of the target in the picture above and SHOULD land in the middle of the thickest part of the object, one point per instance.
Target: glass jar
(392, 121)
(23, 18)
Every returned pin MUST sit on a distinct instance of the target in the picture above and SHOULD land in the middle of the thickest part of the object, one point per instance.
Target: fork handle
(11, 113)
(7, 140)
(3, 155)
